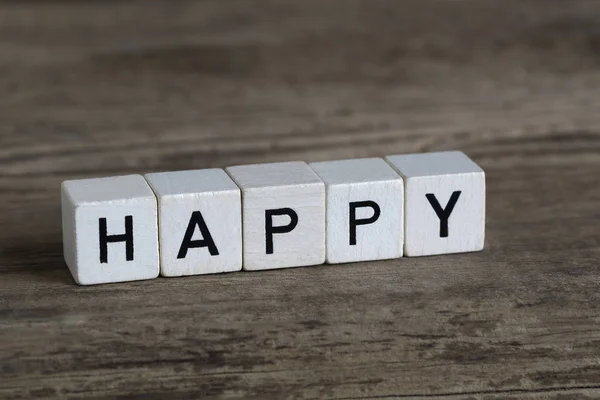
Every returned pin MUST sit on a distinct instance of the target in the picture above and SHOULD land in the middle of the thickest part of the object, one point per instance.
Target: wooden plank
(101, 88)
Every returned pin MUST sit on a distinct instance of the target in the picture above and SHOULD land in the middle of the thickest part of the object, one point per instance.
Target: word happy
(266, 216)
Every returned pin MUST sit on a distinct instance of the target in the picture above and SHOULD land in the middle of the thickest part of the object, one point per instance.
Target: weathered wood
(100, 88)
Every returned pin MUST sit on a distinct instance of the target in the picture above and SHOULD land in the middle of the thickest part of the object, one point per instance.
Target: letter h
(105, 239)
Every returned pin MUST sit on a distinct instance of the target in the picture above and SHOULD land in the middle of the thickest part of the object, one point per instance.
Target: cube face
(200, 222)
(365, 210)
(110, 231)
(283, 215)
(105, 261)
(365, 222)
(445, 213)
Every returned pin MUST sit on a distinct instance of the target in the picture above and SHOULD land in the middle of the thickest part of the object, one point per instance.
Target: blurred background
(111, 87)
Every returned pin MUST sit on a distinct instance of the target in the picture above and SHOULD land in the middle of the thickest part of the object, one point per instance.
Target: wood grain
(109, 88)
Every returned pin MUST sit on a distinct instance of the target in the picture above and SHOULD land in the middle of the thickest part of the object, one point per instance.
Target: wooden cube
(200, 222)
(110, 231)
(283, 215)
(365, 210)
(445, 203)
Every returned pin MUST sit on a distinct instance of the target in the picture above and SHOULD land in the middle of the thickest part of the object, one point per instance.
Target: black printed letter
(105, 239)
(270, 229)
(207, 241)
(444, 214)
(355, 222)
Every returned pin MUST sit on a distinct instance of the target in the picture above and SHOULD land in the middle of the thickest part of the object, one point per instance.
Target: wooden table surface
(104, 88)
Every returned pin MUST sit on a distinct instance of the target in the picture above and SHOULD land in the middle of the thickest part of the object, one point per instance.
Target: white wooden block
(110, 230)
(200, 222)
(365, 210)
(283, 215)
(445, 203)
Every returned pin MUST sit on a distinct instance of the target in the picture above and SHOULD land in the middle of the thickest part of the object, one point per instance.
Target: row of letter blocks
(265, 216)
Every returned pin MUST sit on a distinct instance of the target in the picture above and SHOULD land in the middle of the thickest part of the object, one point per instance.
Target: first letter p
(270, 229)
